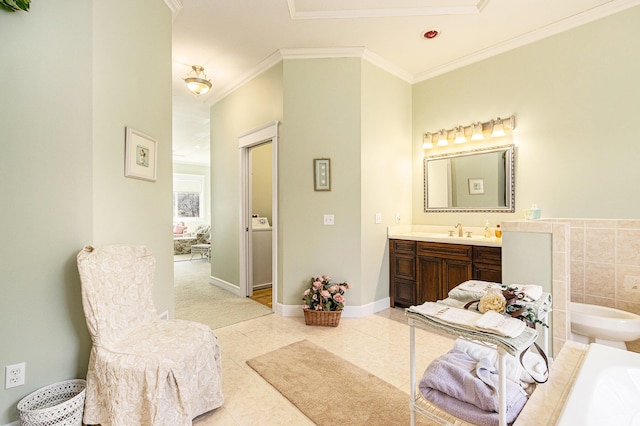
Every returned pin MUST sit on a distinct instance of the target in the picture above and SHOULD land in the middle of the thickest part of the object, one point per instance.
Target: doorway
(254, 147)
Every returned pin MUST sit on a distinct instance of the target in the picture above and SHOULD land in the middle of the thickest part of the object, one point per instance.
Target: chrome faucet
(459, 228)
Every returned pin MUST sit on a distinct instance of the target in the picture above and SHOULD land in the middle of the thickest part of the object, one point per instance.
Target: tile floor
(377, 343)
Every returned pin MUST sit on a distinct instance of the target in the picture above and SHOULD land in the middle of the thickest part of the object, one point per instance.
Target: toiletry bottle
(487, 230)
(498, 232)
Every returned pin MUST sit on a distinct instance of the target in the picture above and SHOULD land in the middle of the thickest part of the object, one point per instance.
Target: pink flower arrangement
(322, 295)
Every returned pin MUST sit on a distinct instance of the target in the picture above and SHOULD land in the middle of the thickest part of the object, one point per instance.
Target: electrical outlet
(328, 219)
(14, 375)
(397, 217)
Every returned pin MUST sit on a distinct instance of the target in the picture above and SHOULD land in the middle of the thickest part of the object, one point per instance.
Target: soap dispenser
(533, 213)
(487, 230)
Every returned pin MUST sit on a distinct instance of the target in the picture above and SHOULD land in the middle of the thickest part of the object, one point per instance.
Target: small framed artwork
(140, 155)
(322, 174)
(476, 186)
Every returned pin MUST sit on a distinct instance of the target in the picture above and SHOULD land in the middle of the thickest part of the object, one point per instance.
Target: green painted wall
(321, 120)
(254, 104)
(69, 86)
(575, 96)
(386, 172)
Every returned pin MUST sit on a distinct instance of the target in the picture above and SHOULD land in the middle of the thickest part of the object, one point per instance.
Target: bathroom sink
(444, 237)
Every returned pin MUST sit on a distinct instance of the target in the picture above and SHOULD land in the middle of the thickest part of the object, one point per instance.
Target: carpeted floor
(198, 300)
(330, 390)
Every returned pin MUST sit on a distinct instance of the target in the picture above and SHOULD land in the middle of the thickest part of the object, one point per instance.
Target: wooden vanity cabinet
(402, 272)
(487, 264)
(441, 267)
(423, 271)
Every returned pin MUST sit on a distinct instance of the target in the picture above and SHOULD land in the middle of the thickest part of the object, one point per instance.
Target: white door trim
(265, 133)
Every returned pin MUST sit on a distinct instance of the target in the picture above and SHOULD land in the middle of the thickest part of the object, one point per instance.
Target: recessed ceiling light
(432, 33)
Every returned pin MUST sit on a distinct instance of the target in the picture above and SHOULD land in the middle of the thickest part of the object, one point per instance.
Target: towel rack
(504, 345)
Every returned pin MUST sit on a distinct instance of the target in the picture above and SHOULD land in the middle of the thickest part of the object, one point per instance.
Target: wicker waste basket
(324, 318)
(60, 404)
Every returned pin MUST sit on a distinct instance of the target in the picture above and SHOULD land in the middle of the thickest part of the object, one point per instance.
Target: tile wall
(605, 264)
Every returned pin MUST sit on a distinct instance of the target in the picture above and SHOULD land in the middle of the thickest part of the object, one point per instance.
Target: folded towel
(472, 290)
(463, 410)
(460, 317)
(492, 321)
(454, 375)
(478, 352)
(532, 292)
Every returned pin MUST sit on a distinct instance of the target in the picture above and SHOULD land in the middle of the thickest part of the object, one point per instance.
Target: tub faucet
(459, 228)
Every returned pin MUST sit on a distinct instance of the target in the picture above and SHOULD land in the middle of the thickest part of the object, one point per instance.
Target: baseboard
(16, 423)
(225, 285)
(349, 311)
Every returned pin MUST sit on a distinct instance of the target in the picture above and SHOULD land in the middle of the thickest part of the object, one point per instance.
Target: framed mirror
(480, 180)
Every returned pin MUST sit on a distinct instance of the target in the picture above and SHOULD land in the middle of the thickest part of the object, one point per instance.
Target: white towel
(500, 324)
(461, 317)
(531, 291)
(472, 290)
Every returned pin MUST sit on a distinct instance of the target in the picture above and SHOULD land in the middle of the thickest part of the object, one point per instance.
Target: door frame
(265, 133)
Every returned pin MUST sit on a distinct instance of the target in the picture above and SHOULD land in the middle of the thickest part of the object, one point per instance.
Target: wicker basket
(324, 318)
(58, 404)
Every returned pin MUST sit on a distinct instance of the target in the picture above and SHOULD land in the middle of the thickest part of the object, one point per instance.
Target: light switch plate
(378, 217)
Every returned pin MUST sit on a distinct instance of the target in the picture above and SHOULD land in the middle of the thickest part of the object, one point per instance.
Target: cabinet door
(454, 272)
(429, 279)
(404, 267)
(404, 293)
(486, 272)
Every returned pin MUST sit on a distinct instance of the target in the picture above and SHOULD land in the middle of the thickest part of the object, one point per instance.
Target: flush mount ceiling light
(476, 131)
(197, 81)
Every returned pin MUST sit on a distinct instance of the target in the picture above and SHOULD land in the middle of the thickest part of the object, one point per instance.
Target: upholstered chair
(142, 370)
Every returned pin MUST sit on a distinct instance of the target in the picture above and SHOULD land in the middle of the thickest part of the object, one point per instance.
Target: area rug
(198, 300)
(330, 390)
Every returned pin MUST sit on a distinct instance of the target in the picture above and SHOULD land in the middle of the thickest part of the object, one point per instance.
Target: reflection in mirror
(481, 180)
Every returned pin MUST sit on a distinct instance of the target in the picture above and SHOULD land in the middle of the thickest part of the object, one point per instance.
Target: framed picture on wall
(322, 174)
(476, 186)
(140, 155)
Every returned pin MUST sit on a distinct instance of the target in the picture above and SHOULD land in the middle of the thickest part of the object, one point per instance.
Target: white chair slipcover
(142, 370)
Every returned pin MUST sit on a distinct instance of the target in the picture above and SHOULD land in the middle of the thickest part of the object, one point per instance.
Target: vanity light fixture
(197, 81)
(498, 128)
(474, 132)
(442, 139)
(477, 132)
(460, 137)
(427, 141)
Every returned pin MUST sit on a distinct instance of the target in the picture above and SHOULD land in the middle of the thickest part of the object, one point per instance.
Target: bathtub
(606, 390)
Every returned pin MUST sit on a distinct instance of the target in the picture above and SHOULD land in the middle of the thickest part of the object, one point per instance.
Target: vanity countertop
(440, 234)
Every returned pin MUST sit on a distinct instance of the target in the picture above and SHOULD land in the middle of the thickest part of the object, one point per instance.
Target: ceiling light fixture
(476, 131)
(197, 81)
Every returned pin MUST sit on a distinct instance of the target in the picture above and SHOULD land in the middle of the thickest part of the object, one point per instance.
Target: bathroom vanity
(425, 266)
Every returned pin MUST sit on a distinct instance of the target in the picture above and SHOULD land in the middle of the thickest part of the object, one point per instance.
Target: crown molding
(312, 53)
(395, 10)
(175, 6)
(575, 21)
(268, 63)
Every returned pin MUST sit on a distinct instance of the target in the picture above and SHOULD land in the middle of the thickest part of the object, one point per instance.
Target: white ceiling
(237, 39)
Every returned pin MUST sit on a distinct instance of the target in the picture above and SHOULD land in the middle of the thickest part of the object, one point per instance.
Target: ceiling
(235, 40)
